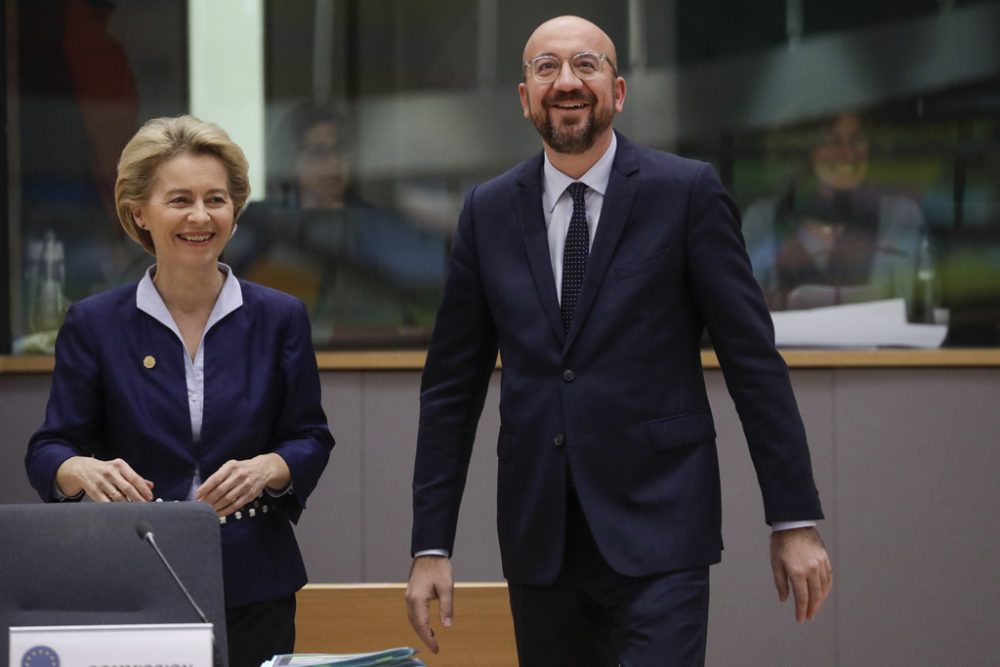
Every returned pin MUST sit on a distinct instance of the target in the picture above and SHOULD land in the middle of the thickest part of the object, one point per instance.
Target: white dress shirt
(149, 301)
(557, 205)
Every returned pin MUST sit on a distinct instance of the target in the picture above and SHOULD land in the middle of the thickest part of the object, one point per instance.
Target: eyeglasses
(320, 152)
(830, 138)
(586, 65)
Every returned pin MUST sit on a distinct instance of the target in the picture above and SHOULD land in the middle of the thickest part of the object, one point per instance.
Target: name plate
(149, 645)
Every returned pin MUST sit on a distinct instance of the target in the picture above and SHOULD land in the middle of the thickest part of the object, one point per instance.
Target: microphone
(145, 532)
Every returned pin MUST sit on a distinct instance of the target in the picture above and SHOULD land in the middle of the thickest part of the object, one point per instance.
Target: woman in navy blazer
(193, 385)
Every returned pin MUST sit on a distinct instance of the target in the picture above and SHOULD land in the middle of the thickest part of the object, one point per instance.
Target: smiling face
(189, 212)
(840, 159)
(572, 115)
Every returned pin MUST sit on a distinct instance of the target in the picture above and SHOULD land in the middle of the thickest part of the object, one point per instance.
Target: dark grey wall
(906, 461)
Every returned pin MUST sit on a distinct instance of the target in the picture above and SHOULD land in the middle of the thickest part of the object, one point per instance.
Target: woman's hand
(237, 483)
(102, 481)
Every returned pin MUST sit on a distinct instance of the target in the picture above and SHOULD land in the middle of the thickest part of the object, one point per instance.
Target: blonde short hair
(161, 139)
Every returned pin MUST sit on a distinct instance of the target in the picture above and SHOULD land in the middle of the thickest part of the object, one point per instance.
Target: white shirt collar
(596, 178)
(149, 301)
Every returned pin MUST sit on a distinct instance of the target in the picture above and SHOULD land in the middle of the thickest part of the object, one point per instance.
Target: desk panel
(352, 618)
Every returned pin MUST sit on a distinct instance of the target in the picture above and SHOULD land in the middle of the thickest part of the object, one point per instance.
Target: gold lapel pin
(149, 361)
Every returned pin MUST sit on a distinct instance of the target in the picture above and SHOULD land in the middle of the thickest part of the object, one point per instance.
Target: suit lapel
(536, 241)
(614, 214)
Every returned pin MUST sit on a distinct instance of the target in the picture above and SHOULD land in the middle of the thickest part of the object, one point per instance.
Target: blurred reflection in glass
(82, 70)
(47, 302)
(367, 275)
(831, 238)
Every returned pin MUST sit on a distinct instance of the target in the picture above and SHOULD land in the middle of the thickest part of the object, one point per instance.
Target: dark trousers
(256, 632)
(593, 616)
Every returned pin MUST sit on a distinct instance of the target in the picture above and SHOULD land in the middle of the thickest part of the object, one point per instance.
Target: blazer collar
(614, 215)
(149, 301)
(532, 221)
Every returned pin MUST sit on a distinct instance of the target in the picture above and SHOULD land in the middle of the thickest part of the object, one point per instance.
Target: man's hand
(102, 481)
(798, 556)
(430, 579)
(236, 483)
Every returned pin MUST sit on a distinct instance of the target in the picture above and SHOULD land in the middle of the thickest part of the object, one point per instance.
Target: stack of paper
(874, 324)
(393, 657)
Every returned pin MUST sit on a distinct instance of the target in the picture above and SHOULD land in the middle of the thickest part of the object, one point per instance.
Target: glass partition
(81, 76)
(860, 141)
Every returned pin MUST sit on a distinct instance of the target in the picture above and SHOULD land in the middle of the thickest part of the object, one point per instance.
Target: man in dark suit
(596, 296)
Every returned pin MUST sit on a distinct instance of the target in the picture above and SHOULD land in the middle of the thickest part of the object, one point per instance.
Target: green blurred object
(40, 342)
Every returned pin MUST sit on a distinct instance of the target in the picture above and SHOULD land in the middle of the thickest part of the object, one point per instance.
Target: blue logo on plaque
(40, 656)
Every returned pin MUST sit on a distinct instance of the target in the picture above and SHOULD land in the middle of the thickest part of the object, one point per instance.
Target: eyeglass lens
(584, 65)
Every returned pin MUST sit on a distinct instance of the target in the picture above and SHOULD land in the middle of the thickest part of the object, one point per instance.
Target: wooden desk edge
(398, 586)
(402, 360)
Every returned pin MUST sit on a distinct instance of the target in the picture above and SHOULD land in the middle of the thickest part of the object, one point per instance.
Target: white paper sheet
(873, 324)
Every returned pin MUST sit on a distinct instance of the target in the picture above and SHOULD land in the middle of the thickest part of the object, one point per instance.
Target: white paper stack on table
(393, 657)
(873, 324)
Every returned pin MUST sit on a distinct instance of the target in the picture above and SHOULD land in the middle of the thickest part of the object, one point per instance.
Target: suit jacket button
(558, 440)
(569, 375)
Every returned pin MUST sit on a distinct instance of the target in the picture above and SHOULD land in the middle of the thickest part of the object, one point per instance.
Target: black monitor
(84, 564)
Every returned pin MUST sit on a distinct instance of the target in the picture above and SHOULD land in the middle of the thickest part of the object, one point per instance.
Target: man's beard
(572, 139)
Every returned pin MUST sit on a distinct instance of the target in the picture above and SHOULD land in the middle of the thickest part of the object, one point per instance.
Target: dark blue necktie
(575, 254)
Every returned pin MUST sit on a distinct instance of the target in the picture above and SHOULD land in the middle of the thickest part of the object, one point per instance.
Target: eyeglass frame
(569, 59)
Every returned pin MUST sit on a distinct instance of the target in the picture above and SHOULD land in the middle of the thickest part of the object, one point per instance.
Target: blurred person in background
(365, 272)
(831, 238)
